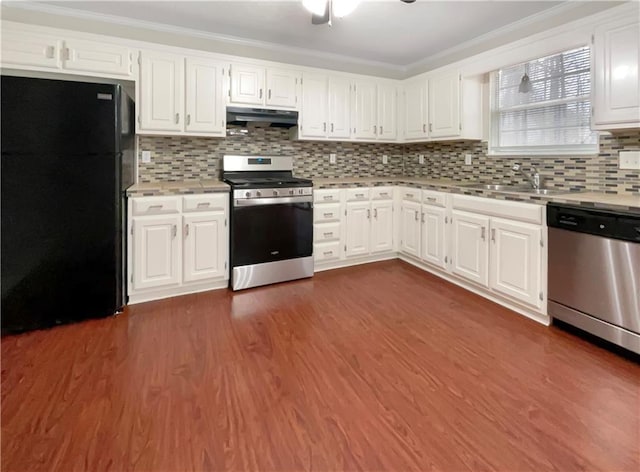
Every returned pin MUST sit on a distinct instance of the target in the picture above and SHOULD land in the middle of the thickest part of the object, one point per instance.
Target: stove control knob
(248, 194)
(275, 193)
(291, 192)
(300, 191)
(258, 193)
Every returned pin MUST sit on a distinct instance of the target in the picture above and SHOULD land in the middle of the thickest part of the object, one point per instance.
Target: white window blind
(554, 116)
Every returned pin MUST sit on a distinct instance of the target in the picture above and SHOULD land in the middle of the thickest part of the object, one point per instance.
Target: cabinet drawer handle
(155, 207)
(483, 233)
(260, 94)
(384, 194)
(424, 128)
(375, 129)
(431, 199)
(416, 215)
(360, 195)
(375, 213)
(328, 215)
(326, 235)
(174, 231)
(328, 197)
(430, 127)
(186, 230)
(380, 129)
(332, 127)
(328, 253)
(269, 94)
(177, 118)
(493, 235)
(204, 204)
(368, 214)
(422, 217)
(324, 126)
(409, 195)
(188, 118)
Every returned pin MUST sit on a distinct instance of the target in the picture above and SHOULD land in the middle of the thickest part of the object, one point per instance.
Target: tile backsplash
(188, 158)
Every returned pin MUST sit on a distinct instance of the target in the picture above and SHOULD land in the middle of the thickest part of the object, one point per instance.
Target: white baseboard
(352, 261)
(152, 295)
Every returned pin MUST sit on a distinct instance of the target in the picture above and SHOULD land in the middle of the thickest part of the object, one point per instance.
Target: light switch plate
(332, 158)
(468, 159)
(146, 157)
(385, 159)
(420, 158)
(629, 160)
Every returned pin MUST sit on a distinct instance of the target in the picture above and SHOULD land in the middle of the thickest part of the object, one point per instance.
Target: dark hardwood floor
(377, 367)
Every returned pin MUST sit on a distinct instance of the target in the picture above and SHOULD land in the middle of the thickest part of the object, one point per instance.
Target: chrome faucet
(534, 179)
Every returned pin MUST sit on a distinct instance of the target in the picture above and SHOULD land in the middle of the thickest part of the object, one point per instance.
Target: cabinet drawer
(382, 193)
(429, 197)
(326, 195)
(357, 194)
(206, 202)
(411, 194)
(326, 212)
(155, 205)
(326, 251)
(326, 232)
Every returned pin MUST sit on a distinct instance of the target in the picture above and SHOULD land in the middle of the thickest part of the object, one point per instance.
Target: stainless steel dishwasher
(594, 271)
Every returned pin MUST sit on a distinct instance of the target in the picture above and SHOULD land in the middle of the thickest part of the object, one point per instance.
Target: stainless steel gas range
(271, 221)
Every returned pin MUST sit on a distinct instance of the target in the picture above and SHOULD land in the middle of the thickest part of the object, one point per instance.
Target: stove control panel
(272, 192)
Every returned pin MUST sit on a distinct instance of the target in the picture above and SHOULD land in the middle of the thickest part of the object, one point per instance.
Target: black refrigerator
(67, 160)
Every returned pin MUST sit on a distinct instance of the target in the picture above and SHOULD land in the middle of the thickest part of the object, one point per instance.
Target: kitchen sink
(544, 191)
(499, 187)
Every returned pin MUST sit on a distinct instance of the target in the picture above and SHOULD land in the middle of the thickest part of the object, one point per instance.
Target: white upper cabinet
(247, 84)
(179, 95)
(339, 111)
(325, 109)
(282, 88)
(616, 88)
(364, 110)
(24, 48)
(415, 109)
(260, 86)
(444, 105)
(387, 112)
(204, 92)
(314, 106)
(161, 106)
(516, 260)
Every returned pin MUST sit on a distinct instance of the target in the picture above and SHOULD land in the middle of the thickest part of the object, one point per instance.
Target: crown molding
(199, 34)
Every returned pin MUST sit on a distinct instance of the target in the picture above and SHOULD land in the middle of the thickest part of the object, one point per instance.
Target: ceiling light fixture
(323, 11)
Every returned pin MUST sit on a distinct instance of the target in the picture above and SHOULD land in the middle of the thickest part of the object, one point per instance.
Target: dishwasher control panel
(606, 223)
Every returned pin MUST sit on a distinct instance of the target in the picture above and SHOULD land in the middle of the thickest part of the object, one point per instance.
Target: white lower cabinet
(433, 240)
(358, 228)
(178, 245)
(410, 227)
(516, 262)
(381, 226)
(470, 250)
(156, 251)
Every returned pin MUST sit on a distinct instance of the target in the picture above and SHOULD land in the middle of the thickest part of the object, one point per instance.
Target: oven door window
(267, 233)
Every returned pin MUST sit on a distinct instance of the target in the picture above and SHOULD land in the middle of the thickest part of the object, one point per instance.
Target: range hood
(276, 118)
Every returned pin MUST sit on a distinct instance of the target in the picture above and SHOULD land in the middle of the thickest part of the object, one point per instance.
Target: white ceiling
(382, 35)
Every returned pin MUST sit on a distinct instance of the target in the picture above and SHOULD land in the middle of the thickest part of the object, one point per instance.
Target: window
(553, 116)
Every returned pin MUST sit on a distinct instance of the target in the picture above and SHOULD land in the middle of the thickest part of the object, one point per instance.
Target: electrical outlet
(385, 159)
(332, 158)
(146, 157)
(629, 160)
(420, 158)
(468, 159)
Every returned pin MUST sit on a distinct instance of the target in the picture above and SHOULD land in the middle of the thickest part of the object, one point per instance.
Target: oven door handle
(248, 202)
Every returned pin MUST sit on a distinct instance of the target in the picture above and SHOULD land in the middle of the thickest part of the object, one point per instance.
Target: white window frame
(542, 150)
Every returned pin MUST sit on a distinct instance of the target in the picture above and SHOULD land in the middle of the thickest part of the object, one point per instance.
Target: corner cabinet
(26, 47)
(177, 245)
(180, 95)
(616, 88)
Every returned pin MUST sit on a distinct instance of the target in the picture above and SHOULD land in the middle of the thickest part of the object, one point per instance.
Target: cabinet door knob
(324, 126)
(368, 214)
(430, 127)
(260, 93)
(332, 127)
(186, 230)
(416, 215)
(174, 231)
(375, 129)
(177, 118)
(269, 94)
(493, 235)
(380, 129)
(483, 233)
(424, 128)
(375, 213)
(188, 118)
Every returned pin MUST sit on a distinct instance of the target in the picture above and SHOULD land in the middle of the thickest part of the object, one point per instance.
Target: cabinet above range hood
(261, 117)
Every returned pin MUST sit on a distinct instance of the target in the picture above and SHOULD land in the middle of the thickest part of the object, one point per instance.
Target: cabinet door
(470, 257)
(339, 122)
(410, 228)
(247, 84)
(444, 105)
(205, 104)
(615, 72)
(364, 110)
(387, 112)
(204, 243)
(23, 48)
(97, 57)
(314, 106)
(156, 251)
(161, 92)
(282, 88)
(433, 235)
(358, 228)
(382, 226)
(516, 260)
(415, 109)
